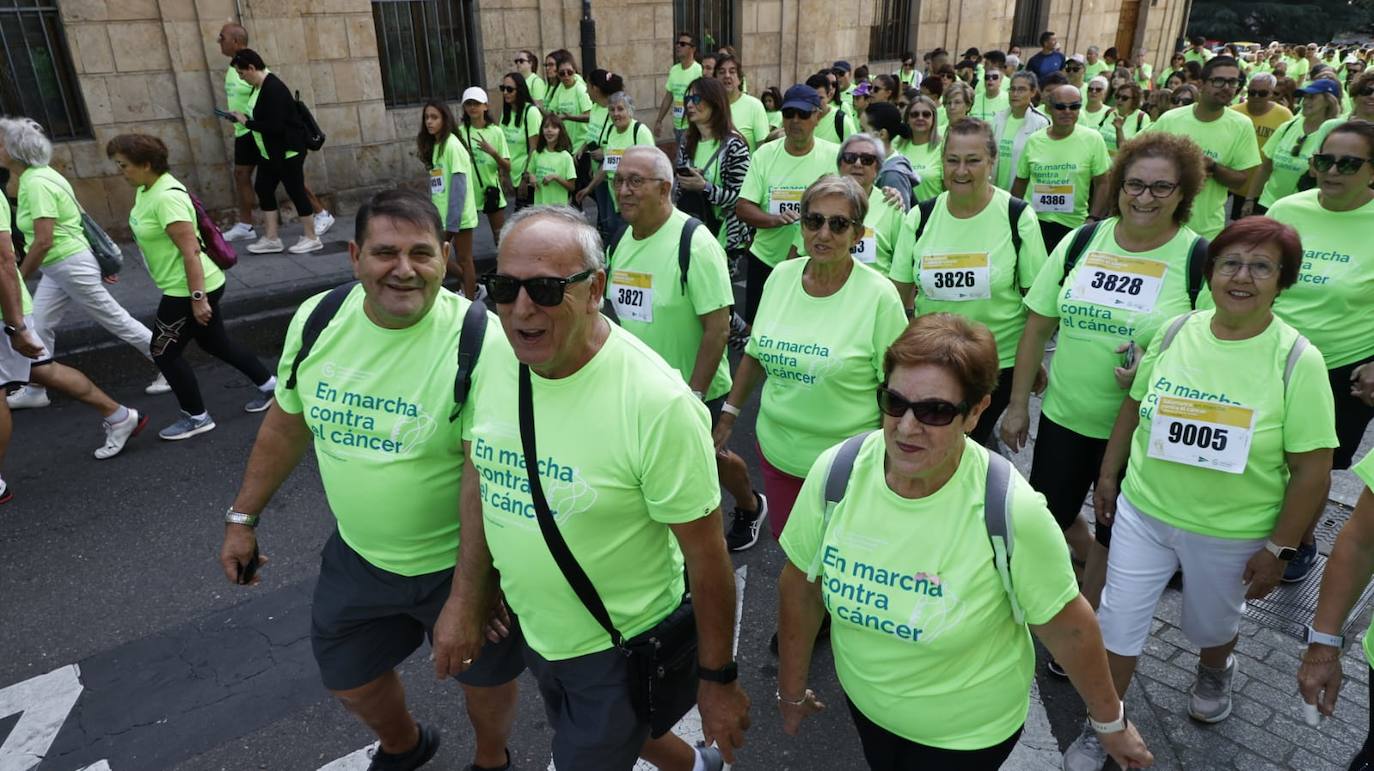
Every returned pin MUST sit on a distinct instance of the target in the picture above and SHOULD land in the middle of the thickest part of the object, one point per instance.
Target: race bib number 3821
(632, 295)
(1203, 434)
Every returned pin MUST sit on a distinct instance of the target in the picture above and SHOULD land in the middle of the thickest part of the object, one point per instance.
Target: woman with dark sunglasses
(1127, 118)
(930, 632)
(1284, 161)
(816, 345)
(922, 147)
(520, 121)
(861, 159)
(1362, 97)
(525, 62)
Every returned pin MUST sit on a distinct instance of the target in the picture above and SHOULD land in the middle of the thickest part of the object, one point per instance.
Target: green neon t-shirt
(826, 128)
(518, 136)
(652, 465)
(25, 301)
(1083, 395)
(617, 142)
(571, 101)
(985, 108)
(1132, 125)
(236, 95)
(928, 163)
(1289, 167)
(679, 78)
(1092, 70)
(822, 358)
(775, 182)
(1365, 471)
(1061, 171)
(882, 226)
(979, 247)
(377, 402)
(452, 158)
(924, 639)
(1333, 301)
(44, 193)
(155, 208)
(539, 88)
(750, 120)
(1232, 385)
(1006, 144)
(644, 284)
(774, 119)
(546, 162)
(597, 121)
(486, 171)
(1228, 140)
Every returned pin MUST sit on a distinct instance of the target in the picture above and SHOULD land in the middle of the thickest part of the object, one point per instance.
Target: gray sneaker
(1086, 753)
(1209, 700)
(711, 758)
(260, 402)
(187, 427)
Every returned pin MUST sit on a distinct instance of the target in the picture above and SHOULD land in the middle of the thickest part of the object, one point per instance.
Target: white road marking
(100, 765)
(357, 760)
(44, 701)
(1037, 750)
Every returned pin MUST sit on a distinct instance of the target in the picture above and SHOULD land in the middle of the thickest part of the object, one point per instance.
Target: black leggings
(1352, 415)
(886, 751)
(176, 328)
(755, 276)
(289, 173)
(1001, 397)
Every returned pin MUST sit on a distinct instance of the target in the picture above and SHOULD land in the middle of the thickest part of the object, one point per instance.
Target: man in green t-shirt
(1063, 169)
(1227, 139)
(680, 76)
(375, 393)
(625, 473)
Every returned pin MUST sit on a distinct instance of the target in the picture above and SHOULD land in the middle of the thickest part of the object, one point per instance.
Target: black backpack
(1196, 257)
(469, 341)
(1014, 208)
(839, 123)
(314, 136)
(684, 259)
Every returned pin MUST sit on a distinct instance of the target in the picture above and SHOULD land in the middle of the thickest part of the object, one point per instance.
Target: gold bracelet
(791, 703)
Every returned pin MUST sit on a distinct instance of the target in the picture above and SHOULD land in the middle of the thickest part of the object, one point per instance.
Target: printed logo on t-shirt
(354, 422)
(505, 486)
(1320, 267)
(866, 595)
(798, 362)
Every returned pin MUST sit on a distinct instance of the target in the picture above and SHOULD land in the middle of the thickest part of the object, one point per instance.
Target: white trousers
(76, 280)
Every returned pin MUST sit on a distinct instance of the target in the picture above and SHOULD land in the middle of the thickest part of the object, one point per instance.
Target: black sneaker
(739, 333)
(417, 756)
(506, 767)
(1301, 565)
(746, 525)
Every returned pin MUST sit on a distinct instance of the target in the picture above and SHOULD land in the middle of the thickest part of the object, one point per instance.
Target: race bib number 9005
(1202, 434)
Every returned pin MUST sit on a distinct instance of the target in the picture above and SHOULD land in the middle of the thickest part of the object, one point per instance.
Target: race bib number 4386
(1057, 199)
(1202, 434)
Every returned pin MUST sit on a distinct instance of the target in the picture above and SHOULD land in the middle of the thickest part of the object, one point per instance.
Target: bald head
(232, 38)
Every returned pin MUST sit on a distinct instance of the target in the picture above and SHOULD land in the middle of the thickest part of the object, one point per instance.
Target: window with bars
(37, 78)
(890, 35)
(1031, 18)
(428, 49)
(711, 21)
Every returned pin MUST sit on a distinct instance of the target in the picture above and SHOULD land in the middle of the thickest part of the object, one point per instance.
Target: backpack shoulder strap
(1294, 354)
(836, 482)
(1197, 257)
(1015, 206)
(927, 208)
(839, 123)
(1139, 120)
(1172, 331)
(319, 318)
(1077, 246)
(615, 241)
(684, 250)
(470, 339)
(997, 519)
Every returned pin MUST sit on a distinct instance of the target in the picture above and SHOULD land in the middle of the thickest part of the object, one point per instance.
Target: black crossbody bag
(663, 659)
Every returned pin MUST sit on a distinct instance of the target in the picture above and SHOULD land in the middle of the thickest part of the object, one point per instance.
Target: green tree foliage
(1292, 22)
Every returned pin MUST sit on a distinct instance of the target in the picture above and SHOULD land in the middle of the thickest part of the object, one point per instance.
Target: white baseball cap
(475, 94)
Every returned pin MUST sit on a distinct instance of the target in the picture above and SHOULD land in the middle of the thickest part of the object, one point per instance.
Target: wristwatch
(1110, 728)
(11, 331)
(1322, 638)
(232, 517)
(725, 675)
(197, 294)
(1284, 553)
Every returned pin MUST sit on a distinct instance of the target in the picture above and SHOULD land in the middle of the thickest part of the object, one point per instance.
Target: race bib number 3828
(1113, 281)
(1203, 434)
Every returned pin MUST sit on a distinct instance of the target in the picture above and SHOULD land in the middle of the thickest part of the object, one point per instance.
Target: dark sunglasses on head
(932, 412)
(507, 89)
(1345, 164)
(1069, 106)
(867, 159)
(838, 225)
(789, 113)
(543, 290)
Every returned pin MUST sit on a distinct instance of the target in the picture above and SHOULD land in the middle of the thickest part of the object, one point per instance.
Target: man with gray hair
(590, 482)
(1266, 114)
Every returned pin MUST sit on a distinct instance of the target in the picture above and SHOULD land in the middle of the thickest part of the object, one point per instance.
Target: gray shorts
(587, 700)
(365, 621)
(15, 367)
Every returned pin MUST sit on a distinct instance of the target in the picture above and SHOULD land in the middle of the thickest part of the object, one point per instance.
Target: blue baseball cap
(1322, 86)
(842, 65)
(801, 97)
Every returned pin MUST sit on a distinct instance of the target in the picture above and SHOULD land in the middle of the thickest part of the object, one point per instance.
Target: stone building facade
(154, 66)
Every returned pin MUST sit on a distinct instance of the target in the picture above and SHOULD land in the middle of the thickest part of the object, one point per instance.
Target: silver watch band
(1322, 638)
(232, 517)
(1110, 728)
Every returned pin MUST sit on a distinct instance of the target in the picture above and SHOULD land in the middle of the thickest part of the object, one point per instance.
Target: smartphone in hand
(229, 116)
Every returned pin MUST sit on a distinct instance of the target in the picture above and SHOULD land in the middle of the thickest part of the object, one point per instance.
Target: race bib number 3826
(956, 277)
(1203, 434)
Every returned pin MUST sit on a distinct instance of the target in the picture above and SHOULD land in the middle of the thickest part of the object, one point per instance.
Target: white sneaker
(305, 245)
(265, 246)
(158, 386)
(323, 222)
(1086, 753)
(117, 434)
(28, 398)
(241, 231)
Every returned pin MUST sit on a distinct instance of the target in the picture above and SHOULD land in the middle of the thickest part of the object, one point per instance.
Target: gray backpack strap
(1172, 331)
(836, 482)
(997, 519)
(1294, 354)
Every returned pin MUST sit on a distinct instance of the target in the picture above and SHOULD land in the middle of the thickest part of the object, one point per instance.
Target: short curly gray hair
(25, 141)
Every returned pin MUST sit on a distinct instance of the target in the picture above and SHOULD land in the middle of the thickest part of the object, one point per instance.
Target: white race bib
(1052, 199)
(1203, 434)
(956, 277)
(679, 110)
(781, 199)
(611, 161)
(866, 251)
(632, 294)
(1113, 281)
(436, 182)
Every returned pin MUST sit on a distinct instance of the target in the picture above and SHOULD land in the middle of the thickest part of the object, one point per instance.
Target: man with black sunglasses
(369, 373)
(1266, 115)
(590, 447)
(1064, 169)
(680, 76)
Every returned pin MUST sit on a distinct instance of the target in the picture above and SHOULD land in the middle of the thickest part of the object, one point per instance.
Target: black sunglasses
(1069, 106)
(1345, 164)
(932, 412)
(684, 44)
(788, 113)
(507, 89)
(867, 159)
(543, 290)
(1366, 91)
(1177, 100)
(838, 225)
(1253, 94)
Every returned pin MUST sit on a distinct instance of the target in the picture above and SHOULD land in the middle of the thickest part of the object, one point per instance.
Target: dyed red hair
(1252, 231)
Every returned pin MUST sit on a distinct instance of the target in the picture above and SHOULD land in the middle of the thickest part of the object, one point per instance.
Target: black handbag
(662, 660)
(491, 196)
(694, 202)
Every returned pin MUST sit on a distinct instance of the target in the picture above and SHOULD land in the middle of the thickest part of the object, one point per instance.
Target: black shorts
(1352, 415)
(1063, 469)
(365, 621)
(246, 151)
(886, 751)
